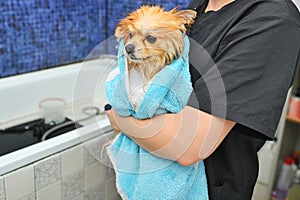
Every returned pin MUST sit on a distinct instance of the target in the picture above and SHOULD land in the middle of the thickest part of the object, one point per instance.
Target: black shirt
(255, 47)
(243, 60)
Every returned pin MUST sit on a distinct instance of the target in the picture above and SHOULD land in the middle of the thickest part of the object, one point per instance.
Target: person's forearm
(187, 137)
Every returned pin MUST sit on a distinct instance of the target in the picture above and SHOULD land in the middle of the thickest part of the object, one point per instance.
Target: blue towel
(139, 174)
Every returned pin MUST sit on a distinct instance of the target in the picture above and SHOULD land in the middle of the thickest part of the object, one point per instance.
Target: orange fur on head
(153, 37)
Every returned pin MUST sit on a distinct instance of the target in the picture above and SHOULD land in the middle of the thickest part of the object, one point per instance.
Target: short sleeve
(255, 64)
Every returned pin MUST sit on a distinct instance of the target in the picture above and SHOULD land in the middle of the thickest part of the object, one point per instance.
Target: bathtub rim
(36, 152)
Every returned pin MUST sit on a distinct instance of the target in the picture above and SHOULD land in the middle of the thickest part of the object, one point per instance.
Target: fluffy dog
(153, 37)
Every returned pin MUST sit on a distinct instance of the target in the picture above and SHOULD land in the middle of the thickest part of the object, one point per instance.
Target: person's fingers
(112, 121)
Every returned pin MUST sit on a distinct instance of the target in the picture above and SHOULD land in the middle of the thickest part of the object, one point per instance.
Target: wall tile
(96, 149)
(72, 160)
(41, 34)
(116, 197)
(80, 197)
(43, 180)
(19, 183)
(2, 189)
(110, 189)
(51, 192)
(73, 185)
(30, 196)
(47, 171)
(95, 192)
(94, 175)
(109, 173)
(89, 159)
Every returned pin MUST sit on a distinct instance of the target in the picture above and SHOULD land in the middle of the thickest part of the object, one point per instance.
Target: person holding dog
(239, 92)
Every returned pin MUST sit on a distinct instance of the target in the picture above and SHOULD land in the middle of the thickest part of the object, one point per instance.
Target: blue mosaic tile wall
(40, 34)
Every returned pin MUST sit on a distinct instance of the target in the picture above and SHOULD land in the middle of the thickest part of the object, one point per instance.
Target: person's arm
(187, 137)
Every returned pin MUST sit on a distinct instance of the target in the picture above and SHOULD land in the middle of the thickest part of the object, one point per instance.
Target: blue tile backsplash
(40, 34)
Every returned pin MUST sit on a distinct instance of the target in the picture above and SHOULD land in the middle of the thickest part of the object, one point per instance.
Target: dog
(153, 38)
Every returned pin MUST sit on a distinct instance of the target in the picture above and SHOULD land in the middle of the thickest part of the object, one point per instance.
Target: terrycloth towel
(139, 174)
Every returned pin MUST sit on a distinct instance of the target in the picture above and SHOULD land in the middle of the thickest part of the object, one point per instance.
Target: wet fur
(166, 26)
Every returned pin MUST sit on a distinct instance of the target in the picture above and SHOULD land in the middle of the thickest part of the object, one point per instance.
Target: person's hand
(112, 116)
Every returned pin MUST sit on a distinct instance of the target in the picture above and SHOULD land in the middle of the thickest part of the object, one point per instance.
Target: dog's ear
(187, 15)
(121, 30)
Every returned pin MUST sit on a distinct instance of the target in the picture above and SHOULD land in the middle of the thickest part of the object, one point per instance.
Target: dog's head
(153, 35)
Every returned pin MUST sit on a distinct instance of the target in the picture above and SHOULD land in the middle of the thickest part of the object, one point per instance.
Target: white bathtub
(80, 84)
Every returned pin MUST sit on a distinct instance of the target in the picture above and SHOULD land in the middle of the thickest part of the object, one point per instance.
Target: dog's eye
(130, 35)
(150, 38)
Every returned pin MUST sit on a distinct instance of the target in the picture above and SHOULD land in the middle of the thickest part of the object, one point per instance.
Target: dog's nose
(129, 48)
